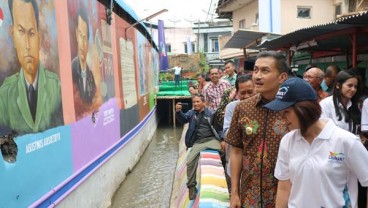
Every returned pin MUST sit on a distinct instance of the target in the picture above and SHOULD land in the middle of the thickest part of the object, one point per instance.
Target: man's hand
(235, 201)
(178, 107)
(223, 146)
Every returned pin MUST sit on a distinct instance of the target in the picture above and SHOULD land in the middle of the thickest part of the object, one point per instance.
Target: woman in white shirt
(342, 106)
(318, 163)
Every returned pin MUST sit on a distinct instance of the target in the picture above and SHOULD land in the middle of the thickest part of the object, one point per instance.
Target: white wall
(247, 12)
(176, 37)
(270, 16)
(322, 11)
(99, 188)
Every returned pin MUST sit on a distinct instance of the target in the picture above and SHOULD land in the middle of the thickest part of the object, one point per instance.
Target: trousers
(177, 79)
(192, 160)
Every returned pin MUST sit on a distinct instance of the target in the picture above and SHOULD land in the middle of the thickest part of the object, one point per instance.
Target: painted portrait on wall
(30, 89)
(31, 103)
(91, 55)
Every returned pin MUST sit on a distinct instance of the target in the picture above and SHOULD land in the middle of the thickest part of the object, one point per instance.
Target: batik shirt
(220, 112)
(258, 131)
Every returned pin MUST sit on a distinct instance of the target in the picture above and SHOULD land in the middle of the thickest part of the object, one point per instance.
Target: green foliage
(203, 63)
(166, 76)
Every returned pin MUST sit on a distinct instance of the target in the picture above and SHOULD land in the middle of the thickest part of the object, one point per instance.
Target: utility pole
(199, 25)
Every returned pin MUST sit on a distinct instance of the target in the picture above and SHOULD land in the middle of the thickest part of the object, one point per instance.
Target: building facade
(283, 16)
(208, 37)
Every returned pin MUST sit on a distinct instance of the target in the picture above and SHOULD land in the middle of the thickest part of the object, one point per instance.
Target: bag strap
(217, 136)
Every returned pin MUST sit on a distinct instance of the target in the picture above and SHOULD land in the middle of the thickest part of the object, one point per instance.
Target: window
(186, 47)
(242, 24)
(352, 6)
(214, 45)
(304, 12)
(168, 48)
(337, 10)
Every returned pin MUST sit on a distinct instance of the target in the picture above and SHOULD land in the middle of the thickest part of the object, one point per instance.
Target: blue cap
(292, 91)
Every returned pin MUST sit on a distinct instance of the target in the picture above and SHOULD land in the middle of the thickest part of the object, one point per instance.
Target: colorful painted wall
(72, 89)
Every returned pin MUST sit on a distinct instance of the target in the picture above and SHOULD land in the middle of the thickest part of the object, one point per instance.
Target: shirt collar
(34, 84)
(202, 112)
(259, 101)
(347, 106)
(233, 77)
(326, 132)
(324, 86)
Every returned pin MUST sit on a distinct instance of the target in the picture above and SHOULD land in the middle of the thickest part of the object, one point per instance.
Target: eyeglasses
(309, 77)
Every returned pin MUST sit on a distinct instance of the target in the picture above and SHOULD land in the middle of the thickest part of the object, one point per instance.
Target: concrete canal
(150, 182)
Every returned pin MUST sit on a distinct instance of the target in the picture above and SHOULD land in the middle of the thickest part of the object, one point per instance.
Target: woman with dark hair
(342, 106)
(318, 163)
(193, 90)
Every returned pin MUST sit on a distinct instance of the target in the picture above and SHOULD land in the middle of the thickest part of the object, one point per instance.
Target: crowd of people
(285, 141)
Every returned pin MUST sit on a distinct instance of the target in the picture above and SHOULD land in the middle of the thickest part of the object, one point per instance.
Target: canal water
(150, 182)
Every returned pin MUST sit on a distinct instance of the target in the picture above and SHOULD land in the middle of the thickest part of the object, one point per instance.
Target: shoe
(192, 192)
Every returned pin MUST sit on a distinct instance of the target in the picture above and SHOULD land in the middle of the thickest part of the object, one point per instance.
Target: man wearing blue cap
(255, 133)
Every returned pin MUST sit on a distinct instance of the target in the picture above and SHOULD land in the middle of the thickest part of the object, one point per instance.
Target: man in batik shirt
(255, 133)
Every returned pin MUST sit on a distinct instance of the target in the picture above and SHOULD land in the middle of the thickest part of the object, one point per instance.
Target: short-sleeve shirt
(213, 93)
(177, 70)
(364, 124)
(320, 171)
(258, 132)
(231, 80)
(328, 111)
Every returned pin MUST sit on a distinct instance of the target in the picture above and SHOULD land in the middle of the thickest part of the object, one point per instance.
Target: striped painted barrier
(213, 190)
(211, 181)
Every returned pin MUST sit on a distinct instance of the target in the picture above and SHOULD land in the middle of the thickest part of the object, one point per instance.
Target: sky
(180, 12)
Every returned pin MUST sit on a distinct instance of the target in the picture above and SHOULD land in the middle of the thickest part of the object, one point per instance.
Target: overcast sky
(181, 12)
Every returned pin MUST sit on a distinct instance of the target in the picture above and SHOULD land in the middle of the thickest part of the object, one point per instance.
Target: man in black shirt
(200, 136)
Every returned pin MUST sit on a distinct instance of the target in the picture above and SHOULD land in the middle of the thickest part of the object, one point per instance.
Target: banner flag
(164, 62)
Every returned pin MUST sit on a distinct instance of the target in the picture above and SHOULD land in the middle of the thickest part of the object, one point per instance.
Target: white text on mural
(109, 116)
(41, 143)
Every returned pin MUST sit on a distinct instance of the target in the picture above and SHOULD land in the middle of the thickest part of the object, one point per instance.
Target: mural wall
(61, 103)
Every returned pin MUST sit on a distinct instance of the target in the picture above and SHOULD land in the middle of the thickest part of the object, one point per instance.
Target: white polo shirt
(364, 123)
(320, 171)
(328, 111)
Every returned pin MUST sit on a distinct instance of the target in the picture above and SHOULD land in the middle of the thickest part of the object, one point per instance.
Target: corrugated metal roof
(357, 18)
(246, 39)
